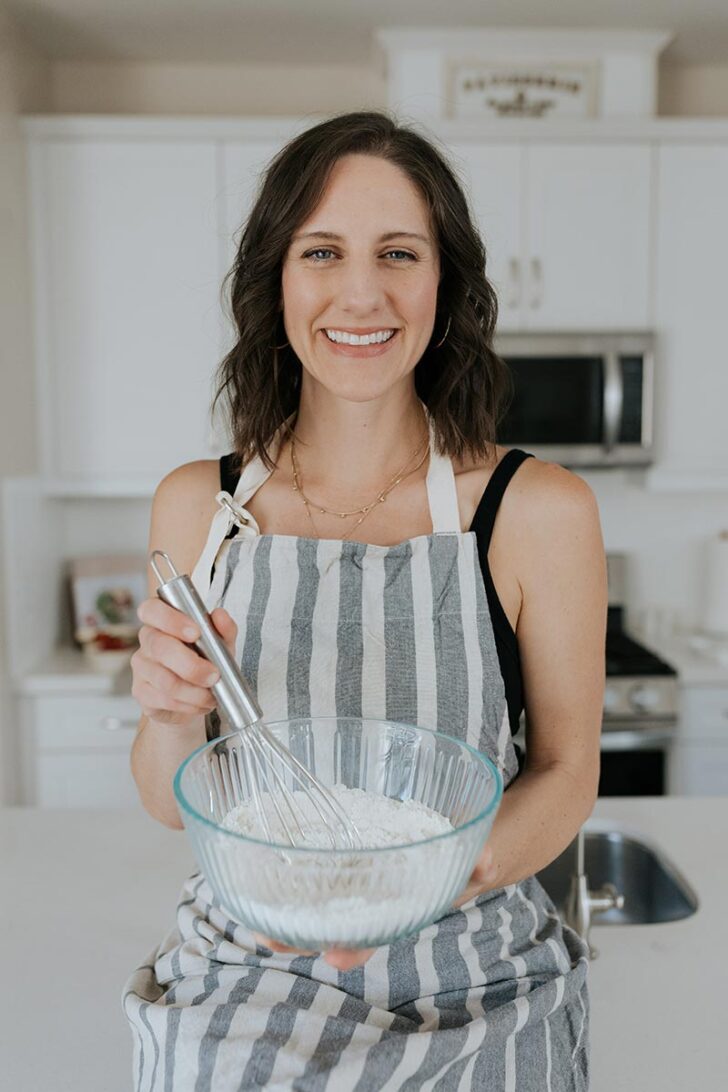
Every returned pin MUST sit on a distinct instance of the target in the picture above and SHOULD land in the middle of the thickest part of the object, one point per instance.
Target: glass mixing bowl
(316, 898)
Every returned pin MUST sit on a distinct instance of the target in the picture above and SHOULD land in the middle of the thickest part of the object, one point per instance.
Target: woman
(356, 566)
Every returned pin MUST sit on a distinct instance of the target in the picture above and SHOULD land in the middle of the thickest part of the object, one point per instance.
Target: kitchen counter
(88, 894)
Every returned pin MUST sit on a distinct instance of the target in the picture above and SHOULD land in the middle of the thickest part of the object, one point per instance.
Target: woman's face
(368, 263)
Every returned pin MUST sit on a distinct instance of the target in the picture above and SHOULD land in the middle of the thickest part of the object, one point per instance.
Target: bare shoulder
(194, 480)
(544, 484)
(557, 517)
(544, 504)
(182, 510)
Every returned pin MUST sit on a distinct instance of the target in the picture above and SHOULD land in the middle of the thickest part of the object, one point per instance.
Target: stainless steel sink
(653, 889)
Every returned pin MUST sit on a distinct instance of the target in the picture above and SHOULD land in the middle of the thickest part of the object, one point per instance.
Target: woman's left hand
(344, 959)
(483, 878)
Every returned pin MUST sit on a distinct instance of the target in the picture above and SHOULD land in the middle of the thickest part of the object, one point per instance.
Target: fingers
(276, 946)
(344, 959)
(170, 678)
(157, 614)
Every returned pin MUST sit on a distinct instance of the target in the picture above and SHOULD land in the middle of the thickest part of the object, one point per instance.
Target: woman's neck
(348, 450)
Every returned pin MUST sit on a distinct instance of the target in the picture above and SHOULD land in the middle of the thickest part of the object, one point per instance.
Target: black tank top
(483, 522)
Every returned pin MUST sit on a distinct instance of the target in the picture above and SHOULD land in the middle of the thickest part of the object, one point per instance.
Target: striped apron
(493, 995)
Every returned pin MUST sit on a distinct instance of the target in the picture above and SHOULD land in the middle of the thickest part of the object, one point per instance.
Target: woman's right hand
(171, 680)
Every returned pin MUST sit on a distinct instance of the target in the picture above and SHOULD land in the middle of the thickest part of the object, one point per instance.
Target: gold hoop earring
(447, 328)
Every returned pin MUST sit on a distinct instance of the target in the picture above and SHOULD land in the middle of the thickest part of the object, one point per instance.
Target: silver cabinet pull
(536, 282)
(116, 724)
(514, 283)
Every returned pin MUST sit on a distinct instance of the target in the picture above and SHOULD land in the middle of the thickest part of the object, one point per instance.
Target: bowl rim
(184, 804)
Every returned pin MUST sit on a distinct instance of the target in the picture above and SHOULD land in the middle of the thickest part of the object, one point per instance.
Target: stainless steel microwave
(580, 399)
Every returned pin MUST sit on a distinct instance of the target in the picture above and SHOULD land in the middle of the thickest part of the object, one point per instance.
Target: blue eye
(326, 250)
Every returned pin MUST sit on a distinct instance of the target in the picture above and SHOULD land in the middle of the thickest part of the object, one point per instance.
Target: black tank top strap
(487, 510)
(505, 639)
(229, 478)
(229, 473)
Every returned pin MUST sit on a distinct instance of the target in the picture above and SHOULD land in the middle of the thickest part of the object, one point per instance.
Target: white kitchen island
(86, 895)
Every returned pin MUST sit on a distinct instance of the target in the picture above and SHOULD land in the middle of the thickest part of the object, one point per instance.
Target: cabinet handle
(514, 282)
(613, 400)
(537, 282)
(116, 724)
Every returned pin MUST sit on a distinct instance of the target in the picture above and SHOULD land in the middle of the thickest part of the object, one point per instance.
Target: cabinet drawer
(107, 723)
(699, 770)
(100, 780)
(704, 713)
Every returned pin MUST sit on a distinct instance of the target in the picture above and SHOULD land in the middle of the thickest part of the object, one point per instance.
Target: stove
(641, 687)
(640, 715)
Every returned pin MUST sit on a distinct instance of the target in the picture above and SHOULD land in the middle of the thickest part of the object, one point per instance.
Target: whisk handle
(231, 690)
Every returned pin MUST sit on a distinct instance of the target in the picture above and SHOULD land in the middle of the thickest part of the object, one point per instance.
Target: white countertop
(697, 660)
(88, 894)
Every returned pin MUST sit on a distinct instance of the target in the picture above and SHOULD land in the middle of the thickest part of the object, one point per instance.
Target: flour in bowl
(380, 820)
(402, 877)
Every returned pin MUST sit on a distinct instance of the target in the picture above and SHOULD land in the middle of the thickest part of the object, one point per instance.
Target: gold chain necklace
(365, 509)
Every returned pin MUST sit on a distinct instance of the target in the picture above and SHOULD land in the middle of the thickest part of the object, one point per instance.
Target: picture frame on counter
(106, 590)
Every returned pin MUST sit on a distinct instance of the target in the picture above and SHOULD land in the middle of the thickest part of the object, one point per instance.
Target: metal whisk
(273, 774)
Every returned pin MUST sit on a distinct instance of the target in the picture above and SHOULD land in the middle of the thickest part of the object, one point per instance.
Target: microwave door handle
(613, 400)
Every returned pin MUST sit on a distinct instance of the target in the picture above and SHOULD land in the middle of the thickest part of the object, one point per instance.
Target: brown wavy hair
(464, 384)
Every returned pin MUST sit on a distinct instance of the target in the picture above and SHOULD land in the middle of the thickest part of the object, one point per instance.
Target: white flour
(362, 900)
(380, 820)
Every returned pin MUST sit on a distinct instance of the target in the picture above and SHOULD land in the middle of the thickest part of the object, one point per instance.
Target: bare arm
(561, 637)
(171, 680)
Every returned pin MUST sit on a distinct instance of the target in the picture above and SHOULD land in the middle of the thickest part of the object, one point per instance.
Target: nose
(360, 287)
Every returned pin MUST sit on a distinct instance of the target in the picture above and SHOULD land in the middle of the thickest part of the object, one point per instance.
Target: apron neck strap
(441, 491)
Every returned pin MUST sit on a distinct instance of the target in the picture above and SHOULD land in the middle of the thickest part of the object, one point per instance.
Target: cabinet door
(492, 177)
(129, 323)
(587, 236)
(691, 435)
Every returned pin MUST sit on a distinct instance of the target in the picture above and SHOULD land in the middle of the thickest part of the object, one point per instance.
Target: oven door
(635, 757)
(580, 400)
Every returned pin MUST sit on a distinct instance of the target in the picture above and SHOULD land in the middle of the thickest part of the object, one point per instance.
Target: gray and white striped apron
(493, 995)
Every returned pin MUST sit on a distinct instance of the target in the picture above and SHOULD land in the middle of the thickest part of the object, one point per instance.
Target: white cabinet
(492, 175)
(692, 242)
(76, 750)
(587, 236)
(699, 762)
(567, 231)
(129, 327)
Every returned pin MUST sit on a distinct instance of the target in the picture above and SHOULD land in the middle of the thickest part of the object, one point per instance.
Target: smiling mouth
(345, 348)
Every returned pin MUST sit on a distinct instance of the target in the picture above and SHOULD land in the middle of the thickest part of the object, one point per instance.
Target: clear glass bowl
(321, 898)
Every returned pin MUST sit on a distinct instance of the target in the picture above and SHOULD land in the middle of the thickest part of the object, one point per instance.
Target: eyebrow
(382, 238)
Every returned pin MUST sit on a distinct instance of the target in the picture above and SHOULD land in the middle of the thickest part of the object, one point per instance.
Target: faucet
(581, 903)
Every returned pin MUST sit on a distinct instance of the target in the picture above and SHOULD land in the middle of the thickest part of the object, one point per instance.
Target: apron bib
(494, 994)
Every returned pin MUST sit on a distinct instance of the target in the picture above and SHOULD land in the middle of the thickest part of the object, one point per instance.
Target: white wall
(693, 90)
(24, 87)
(254, 90)
(264, 90)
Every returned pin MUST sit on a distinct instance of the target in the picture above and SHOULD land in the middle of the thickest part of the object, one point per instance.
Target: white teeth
(342, 337)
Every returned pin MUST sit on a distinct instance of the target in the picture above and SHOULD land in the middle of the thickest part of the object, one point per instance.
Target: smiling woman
(356, 567)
